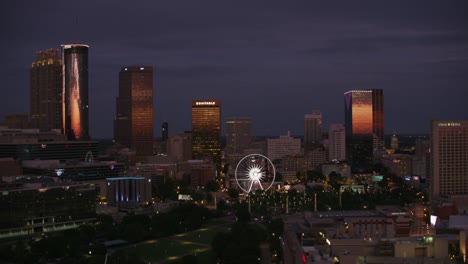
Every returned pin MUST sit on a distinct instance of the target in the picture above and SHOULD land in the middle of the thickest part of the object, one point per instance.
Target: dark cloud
(272, 60)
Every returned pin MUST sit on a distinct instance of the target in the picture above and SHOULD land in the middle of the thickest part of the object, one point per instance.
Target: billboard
(185, 197)
(377, 178)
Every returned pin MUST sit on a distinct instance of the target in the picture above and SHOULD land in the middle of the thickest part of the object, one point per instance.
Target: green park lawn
(164, 249)
(203, 236)
(172, 249)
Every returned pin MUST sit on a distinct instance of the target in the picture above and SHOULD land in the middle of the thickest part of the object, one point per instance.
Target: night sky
(273, 61)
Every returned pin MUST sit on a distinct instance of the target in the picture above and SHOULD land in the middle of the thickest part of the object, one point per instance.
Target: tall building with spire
(206, 130)
(46, 91)
(75, 105)
(133, 125)
(364, 125)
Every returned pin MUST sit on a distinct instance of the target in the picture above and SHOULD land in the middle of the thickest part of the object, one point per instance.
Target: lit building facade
(75, 107)
(364, 125)
(35, 208)
(123, 191)
(32, 144)
(133, 126)
(46, 91)
(399, 164)
(238, 134)
(285, 145)
(206, 130)
(312, 131)
(449, 158)
(337, 142)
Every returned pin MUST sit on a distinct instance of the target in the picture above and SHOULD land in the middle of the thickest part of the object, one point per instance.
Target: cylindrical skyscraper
(75, 91)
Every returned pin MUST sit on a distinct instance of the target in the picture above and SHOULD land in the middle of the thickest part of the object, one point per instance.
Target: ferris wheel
(254, 172)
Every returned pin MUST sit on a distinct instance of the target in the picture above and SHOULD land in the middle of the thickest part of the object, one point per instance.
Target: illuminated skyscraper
(364, 125)
(46, 91)
(133, 125)
(238, 134)
(449, 159)
(312, 131)
(75, 120)
(206, 130)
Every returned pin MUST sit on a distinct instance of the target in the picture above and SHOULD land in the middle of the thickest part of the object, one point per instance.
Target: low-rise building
(39, 205)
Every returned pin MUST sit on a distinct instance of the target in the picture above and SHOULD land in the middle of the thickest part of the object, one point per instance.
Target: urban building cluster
(49, 155)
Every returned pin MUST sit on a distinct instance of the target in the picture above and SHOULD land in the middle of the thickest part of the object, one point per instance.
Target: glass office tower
(75, 120)
(133, 126)
(238, 134)
(206, 130)
(313, 131)
(46, 91)
(449, 154)
(364, 123)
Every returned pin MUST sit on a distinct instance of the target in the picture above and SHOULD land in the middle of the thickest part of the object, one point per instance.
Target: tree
(233, 193)
(105, 226)
(87, 233)
(212, 186)
(242, 213)
(279, 177)
(19, 253)
(334, 180)
(125, 257)
(166, 190)
(135, 227)
(209, 197)
(275, 229)
(315, 175)
(225, 169)
(134, 232)
(301, 177)
(221, 206)
(220, 242)
(189, 259)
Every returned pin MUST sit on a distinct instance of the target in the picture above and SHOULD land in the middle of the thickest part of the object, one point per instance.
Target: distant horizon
(295, 136)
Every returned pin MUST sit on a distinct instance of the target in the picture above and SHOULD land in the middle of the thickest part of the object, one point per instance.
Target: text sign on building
(449, 124)
(206, 103)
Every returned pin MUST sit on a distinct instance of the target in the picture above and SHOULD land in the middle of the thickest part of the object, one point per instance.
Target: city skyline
(271, 62)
